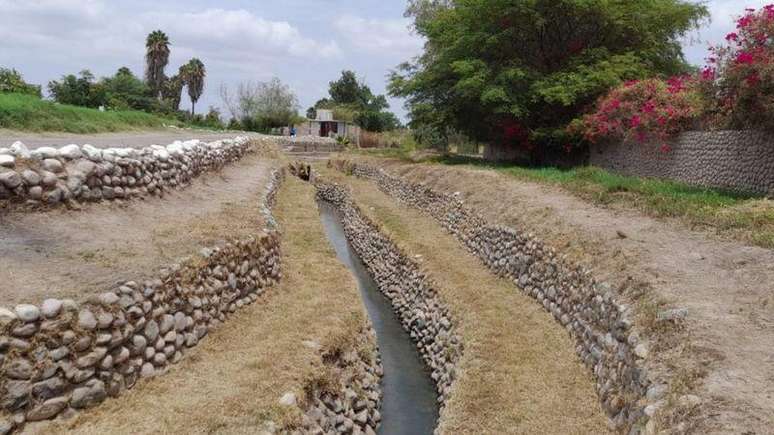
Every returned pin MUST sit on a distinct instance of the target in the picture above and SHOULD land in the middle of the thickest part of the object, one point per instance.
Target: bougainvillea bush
(742, 73)
(644, 111)
(735, 90)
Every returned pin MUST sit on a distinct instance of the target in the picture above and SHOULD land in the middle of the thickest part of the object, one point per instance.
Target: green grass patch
(745, 217)
(28, 113)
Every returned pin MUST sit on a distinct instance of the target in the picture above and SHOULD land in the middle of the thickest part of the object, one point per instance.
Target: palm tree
(156, 59)
(193, 74)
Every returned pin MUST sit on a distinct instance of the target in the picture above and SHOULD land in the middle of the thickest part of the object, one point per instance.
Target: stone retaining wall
(606, 341)
(741, 161)
(63, 356)
(352, 404)
(418, 306)
(51, 176)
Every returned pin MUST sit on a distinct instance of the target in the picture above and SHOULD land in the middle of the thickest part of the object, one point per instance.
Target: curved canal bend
(409, 405)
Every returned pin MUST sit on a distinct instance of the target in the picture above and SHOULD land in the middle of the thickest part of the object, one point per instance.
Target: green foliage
(29, 113)
(517, 72)
(126, 91)
(81, 90)
(353, 101)
(11, 81)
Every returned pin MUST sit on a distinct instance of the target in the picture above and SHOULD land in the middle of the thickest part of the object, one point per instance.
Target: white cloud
(722, 21)
(235, 34)
(380, 36)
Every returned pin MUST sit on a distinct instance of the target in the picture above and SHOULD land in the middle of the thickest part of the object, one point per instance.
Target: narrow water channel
(409, 405)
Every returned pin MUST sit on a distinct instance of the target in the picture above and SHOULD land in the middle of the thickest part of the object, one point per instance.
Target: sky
(306, 43)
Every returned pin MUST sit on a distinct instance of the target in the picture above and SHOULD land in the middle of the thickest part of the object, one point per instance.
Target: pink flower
(635, 121)
(665, 148)
(648, 107)
(753, 79)
(744, 58)
(732, 36)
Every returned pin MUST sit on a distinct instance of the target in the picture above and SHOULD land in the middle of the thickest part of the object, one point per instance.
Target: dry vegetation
(519, 373)
(232, 381)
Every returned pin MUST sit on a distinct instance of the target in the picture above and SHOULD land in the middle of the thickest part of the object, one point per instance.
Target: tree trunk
(193, 104)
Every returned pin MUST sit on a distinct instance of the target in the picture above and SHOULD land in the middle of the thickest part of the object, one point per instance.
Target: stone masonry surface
(417, 304)
(61, 355)
(51, 176)
(606, 340)
(741, 161)
(352, 404)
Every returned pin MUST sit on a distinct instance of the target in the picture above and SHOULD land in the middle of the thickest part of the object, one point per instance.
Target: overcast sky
(304, 42)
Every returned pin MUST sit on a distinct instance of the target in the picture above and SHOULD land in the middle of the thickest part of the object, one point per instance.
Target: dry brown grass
(232, 381)
(519, 372)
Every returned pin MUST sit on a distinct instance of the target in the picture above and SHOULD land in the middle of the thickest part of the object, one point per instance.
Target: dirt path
(519, 372)
(727, 288)
(231, 383)
(108, 140)
(70, 254)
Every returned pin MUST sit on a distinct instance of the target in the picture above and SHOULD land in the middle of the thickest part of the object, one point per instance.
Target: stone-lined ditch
(415, 303)
(606, 341)
(409, 403)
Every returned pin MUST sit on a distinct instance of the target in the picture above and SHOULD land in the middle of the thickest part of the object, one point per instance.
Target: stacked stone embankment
(417, 304)
(741, 161)
(62, 355)
(351, 405)
(603, 328)
(52, 176)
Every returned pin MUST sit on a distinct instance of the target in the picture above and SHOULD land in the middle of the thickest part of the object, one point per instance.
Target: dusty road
(110, 140)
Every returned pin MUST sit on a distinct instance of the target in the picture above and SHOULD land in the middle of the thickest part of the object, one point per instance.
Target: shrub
(742, 73)
(644, 111)
(12, 82)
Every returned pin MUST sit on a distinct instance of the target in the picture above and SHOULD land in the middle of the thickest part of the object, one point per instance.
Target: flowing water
(409, 405)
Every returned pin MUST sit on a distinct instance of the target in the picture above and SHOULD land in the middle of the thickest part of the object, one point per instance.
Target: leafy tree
(126, 91)
(156, 59)
(79, 90)
(352, 100)
(11, 81)
(193, 76)
(516, 72)
(261, 106)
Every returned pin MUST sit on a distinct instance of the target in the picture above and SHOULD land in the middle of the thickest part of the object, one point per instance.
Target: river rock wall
(61, 356)
(420, 310)
(51, 176)
(351, 404)
(603, 328)
(741, 161)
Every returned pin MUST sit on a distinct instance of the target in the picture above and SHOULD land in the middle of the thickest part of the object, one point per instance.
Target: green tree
(81, 90)
(353, 100)
(193, 75)
(516, 72)
(156, 59)
(124, 90)
(11, 81)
